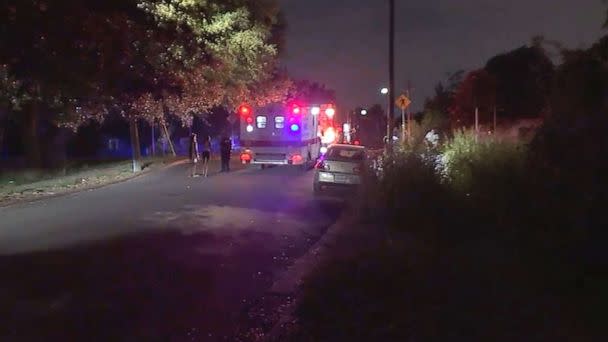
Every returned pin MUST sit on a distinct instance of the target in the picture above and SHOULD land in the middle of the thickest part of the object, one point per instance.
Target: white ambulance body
(280, 134)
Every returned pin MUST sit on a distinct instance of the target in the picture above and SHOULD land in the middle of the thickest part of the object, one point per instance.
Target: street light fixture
(384, 91)
(363, 112)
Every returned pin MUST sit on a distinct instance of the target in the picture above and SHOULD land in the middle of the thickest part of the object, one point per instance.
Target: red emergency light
(245, 110)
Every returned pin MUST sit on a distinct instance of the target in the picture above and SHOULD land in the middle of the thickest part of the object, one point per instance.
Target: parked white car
(339, 169)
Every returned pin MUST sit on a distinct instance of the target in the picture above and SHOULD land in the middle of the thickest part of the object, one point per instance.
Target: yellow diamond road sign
(403, 102)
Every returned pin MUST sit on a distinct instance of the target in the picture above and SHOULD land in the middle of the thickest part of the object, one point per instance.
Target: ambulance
(284, 134)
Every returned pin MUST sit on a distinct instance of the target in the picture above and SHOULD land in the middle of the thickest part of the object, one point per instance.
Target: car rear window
(345, 154)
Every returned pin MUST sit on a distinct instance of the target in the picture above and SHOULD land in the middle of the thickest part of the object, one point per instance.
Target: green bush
(496, 249)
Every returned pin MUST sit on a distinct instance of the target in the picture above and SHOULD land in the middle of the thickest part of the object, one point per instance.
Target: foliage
(371, 127)
(484, 254)
(444, 94)
(12, 96)
(478, 90)
(523, 81)
(566, 151)
(312, 93)
(195, 54)
(431, 121)
(467, 163)
(409, 189)
(73, 62)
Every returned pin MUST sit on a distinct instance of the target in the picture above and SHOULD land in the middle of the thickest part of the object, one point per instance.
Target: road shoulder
(273, 316)
(79, 182)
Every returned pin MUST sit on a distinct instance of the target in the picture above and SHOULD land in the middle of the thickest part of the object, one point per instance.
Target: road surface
(164, 257)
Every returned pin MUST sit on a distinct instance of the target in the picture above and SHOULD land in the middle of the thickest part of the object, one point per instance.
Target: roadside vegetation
(487, 247)
(484, 239)
(24, 185)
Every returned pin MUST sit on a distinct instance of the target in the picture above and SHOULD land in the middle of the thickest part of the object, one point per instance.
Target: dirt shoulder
(272, 318)
(15, 191)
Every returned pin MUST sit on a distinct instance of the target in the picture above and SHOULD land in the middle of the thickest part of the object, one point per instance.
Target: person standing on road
(206, 155)
(226, 149)
(193, 154)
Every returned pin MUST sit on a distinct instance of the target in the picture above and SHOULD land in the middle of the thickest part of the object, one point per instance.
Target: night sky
(343, 43)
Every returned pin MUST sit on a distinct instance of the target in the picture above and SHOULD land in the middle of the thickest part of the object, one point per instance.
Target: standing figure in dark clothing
(226, 149)
(193, 154)
(206, 155)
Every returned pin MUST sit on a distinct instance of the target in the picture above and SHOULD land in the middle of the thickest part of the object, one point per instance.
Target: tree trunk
(135, 147)
(2, 129)
(55, 148)
(168, 139)
(31, 142)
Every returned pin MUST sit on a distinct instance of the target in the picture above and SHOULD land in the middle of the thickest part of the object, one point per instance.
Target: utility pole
(409, 112)
(494, 119)
(391, 71)
(403, 126)
(476, 123)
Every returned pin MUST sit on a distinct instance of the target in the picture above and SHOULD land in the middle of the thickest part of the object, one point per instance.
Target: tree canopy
(192, 54)
(72, 61)
(477, 90)
(312, 92)
(523, 81)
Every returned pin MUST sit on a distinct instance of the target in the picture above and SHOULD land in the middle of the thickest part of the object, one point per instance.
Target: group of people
(205, 156)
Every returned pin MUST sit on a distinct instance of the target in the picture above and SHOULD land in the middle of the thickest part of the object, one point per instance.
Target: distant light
(315, 110)
(330, 112)
(346, 127)
(249, 128)
(384, 91)
(249, 120)
(363, 111)
(329, 137)
(295, 127)
(323, 150)
(296, 110)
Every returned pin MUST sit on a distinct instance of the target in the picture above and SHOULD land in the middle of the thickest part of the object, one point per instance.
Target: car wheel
(316, 190)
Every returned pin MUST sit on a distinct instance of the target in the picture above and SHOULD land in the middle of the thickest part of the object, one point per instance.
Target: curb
(140, 174)
(290, 281)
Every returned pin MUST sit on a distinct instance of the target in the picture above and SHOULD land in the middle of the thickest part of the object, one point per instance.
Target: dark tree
(371, 128)
(478, 90)
(444, 93)
(79, 60)
(312, 93)
(523, 79)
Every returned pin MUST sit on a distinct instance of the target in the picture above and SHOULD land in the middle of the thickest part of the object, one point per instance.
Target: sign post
(403, 102)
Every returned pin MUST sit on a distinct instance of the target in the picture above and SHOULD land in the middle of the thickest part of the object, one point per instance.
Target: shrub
(496, 250)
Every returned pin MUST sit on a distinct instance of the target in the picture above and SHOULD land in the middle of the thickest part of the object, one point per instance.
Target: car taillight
(322, 166)
(245, 157)
(296, 158)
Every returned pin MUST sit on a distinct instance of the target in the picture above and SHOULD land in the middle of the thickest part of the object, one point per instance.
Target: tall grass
(497, 255)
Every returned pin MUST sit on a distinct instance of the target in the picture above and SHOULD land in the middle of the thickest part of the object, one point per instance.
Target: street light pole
(409, 112)
(403, 126)
(385, 91)
(391, 71)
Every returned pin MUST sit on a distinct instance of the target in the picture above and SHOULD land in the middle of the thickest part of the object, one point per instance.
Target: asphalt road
(164, 257)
